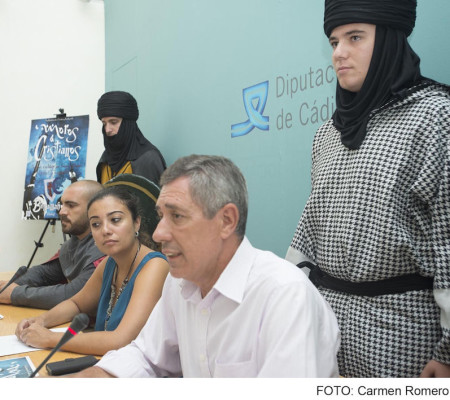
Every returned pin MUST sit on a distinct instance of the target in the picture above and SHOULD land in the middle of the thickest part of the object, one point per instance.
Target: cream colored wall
(52, 56)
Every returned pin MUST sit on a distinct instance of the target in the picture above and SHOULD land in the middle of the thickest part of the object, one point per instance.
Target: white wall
(52, 56)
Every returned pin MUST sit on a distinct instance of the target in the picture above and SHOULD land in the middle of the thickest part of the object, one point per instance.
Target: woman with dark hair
(121, 292)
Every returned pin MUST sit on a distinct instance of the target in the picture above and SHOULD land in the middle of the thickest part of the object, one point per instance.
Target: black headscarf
(394, 67)
(398, 14)
(129, 143)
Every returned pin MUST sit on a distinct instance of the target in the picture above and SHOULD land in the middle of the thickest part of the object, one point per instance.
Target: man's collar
(233, 280)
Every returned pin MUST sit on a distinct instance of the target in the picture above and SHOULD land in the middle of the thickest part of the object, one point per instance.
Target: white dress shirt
(262, 318)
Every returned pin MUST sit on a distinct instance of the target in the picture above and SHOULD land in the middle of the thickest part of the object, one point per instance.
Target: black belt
(397, 284)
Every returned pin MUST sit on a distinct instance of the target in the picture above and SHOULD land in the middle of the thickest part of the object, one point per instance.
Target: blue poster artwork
(56, 158)
(21, 367)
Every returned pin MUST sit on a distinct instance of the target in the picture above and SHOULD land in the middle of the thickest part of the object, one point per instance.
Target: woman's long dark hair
(132, 203)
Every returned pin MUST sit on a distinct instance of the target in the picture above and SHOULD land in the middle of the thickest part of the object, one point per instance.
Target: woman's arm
(146, 293)
(34, 332)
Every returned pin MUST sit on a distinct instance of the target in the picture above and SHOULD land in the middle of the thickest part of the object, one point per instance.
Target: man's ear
(229, 219)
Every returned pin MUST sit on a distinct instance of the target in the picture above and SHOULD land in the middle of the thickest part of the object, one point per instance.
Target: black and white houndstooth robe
(383, 211)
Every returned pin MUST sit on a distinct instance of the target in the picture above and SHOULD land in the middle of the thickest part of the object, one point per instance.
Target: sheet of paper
(11, 345)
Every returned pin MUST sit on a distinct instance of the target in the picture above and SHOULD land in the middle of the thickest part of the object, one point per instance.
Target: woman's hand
(35, 335)
(25, 323)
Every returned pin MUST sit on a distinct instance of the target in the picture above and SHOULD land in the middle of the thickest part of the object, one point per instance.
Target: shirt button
(205, 311)
(202, 358)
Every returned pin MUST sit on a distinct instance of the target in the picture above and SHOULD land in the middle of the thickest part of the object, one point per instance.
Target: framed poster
(56, 158)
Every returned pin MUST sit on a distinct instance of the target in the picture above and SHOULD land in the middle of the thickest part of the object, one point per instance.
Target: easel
(39, 243)
(52, 221)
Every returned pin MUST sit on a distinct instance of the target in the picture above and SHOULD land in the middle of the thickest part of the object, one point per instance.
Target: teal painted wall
(188, 61)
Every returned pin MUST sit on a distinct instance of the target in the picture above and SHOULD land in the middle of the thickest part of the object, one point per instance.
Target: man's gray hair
(214, 182)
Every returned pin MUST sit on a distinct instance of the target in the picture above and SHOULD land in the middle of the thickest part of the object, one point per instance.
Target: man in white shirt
(227, 309)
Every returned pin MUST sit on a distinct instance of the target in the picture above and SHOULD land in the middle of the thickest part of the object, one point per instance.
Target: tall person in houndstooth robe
(375, 233)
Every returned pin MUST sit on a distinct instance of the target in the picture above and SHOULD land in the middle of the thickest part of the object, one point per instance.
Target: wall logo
(255, 98)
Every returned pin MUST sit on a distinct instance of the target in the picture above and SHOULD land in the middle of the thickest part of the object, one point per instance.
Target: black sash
(397, 284)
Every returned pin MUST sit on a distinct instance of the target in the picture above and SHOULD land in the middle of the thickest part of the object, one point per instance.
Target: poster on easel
(56, 158)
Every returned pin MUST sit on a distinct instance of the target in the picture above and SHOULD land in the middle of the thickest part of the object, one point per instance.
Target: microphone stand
(79, 322)
(21, 271)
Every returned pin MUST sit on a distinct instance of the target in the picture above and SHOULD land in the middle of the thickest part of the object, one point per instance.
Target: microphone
(21, 271)
(79, 322)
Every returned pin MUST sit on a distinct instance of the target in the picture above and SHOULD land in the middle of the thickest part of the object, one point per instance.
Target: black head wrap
(117, 104)
(399, 14)
(394, 67)
(129, 143)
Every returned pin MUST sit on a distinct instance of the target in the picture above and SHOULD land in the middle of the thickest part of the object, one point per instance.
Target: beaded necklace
(122, 287)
